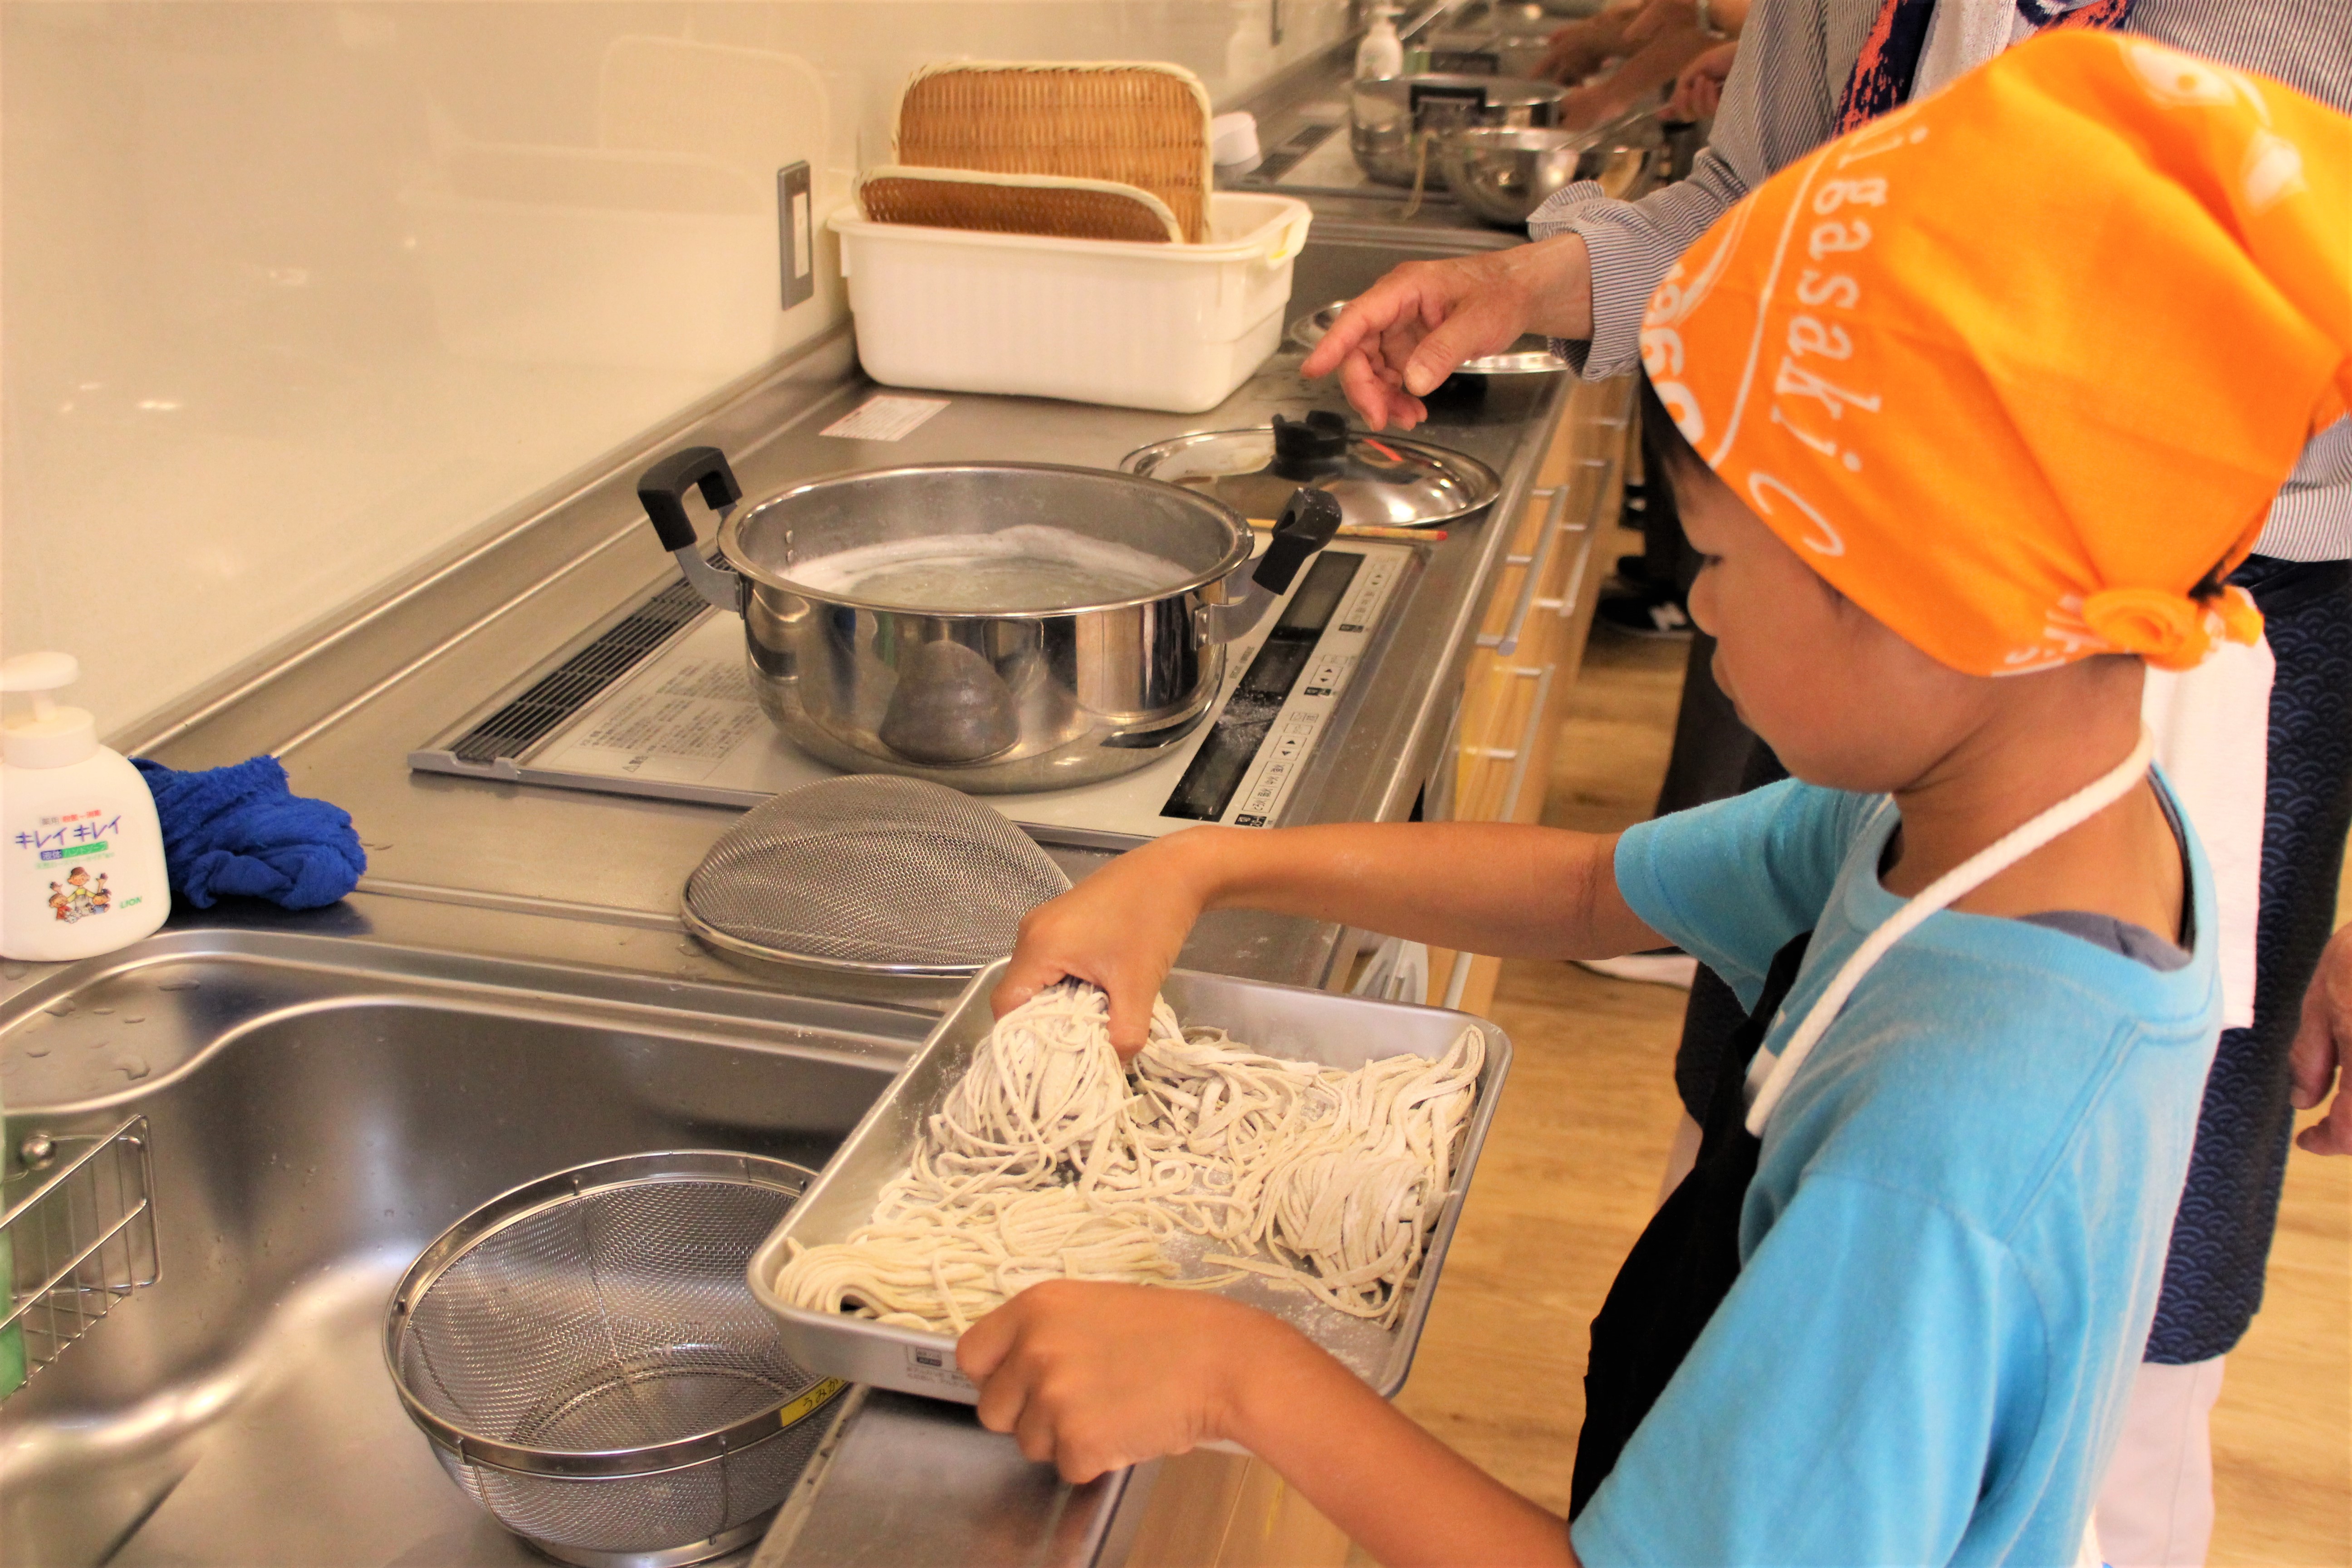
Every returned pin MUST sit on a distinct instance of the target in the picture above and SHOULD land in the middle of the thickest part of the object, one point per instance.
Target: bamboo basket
(1051, 205)
(1131, 123)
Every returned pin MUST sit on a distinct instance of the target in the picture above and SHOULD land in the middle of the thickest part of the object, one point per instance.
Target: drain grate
(571, 685)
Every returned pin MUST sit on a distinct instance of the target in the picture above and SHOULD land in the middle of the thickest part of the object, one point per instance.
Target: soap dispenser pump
(1381, 54)
(81, 853)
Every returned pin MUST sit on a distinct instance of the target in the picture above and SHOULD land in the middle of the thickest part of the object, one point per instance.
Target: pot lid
(1385, 481)
(1531, 356)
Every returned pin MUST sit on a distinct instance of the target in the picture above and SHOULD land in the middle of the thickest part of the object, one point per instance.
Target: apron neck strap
(1955, 884)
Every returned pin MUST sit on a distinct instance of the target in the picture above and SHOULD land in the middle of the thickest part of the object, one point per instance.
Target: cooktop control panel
(1259, 741)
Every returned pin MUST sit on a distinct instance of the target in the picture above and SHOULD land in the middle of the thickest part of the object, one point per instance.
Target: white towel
(2213, 730)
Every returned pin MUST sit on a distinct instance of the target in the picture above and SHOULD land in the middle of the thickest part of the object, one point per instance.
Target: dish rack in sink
(78, 1219)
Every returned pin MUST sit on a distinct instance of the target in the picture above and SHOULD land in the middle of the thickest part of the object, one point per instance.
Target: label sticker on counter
(936, 1367)
(680, 727)
(884, 419)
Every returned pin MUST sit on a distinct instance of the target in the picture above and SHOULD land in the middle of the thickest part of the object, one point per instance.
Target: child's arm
(1095, 1376)
(1516, 892)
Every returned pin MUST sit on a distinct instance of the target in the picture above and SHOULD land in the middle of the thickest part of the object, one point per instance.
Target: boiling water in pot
(1029, 567)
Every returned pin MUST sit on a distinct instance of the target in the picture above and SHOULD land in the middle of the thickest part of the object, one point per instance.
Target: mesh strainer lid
(872, 873)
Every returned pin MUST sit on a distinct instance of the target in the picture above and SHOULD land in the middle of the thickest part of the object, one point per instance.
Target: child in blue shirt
(1892, 1314)
(1966, 1195)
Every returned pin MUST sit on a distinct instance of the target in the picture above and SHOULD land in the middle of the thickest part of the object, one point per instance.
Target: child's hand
(1095, 1376)
(1120, 929)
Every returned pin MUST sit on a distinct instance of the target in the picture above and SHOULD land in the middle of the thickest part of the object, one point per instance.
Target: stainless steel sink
(318, 1111)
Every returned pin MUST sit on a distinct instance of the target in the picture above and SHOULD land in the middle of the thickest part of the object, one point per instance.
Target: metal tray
(1280, 1020)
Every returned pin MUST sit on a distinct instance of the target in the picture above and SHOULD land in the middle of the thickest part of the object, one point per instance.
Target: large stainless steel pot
(987, 701)
(1391, 119)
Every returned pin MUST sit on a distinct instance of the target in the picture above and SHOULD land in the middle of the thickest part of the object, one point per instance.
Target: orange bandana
(2016, 366)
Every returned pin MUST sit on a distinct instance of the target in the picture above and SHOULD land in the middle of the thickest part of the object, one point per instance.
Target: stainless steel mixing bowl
(1504, 174)
(991, 701)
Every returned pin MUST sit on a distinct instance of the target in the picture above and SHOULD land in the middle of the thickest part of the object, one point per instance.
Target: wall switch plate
(796, 234)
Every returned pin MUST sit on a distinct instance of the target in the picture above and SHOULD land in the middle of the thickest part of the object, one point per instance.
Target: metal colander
(592, 1368)
(871, 873)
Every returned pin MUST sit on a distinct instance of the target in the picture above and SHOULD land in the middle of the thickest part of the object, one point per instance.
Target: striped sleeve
(1631, 245)
(2312, 518)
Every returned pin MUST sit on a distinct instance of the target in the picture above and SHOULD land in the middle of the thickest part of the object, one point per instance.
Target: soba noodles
(1050, 1160)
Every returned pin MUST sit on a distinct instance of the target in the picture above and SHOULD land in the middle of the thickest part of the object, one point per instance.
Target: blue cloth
(1951, 1250)
(240, 831)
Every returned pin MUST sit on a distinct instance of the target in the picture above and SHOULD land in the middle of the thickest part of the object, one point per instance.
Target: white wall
(297, 295)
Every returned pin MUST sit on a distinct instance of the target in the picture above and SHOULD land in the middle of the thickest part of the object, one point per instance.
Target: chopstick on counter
(1369, 530)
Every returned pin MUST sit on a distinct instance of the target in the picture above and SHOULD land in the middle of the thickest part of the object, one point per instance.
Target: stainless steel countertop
(344, 719)
(582, 878)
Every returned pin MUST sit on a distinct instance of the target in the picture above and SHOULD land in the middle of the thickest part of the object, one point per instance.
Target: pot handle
(1310, 520)
(662, 491)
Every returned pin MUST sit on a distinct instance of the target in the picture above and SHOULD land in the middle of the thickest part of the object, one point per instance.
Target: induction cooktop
(660, 704)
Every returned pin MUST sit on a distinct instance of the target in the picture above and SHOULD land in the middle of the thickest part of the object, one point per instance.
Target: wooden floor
(1570, 1173)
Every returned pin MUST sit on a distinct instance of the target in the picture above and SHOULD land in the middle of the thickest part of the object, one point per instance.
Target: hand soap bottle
(81, 855)
(1381, 54)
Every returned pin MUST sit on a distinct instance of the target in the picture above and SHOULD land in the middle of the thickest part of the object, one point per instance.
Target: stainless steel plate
(1531, 356)
(1280, 1020)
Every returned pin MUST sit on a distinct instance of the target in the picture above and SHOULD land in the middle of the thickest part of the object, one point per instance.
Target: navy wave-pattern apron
(1683, 1264)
